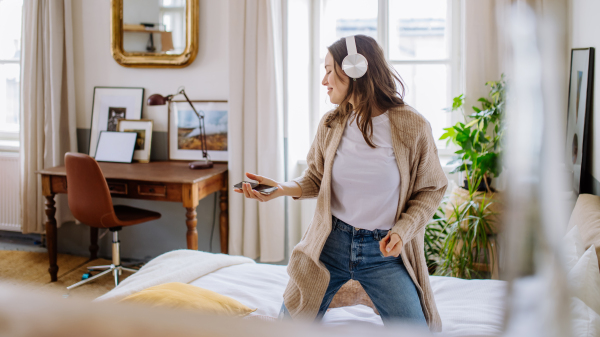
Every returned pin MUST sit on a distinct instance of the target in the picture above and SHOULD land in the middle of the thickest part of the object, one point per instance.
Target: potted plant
(435, 233)
(468, 248)
(479, 139)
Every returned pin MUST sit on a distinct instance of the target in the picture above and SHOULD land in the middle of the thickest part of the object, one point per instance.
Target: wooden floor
(30, 269)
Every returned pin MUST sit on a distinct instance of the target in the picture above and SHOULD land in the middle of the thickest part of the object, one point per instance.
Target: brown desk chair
(91, 203)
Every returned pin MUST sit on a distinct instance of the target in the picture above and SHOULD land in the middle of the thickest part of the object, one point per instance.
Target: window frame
(174, 9)
(455, 80)
(7, 137)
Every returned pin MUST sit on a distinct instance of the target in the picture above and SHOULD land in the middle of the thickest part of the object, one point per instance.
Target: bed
(466, 307)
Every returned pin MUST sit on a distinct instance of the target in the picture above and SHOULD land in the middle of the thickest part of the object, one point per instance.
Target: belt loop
(334, 221)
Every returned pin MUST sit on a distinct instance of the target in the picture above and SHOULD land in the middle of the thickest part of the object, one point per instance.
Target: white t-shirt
(365, 181)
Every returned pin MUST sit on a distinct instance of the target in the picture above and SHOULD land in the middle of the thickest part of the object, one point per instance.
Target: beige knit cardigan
(422, 185)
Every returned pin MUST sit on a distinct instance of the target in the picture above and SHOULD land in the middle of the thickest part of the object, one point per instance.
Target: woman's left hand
(391, 246)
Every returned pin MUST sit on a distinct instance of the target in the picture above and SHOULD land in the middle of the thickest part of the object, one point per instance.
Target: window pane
(9, 97)
(343, 18)
(298, 80)
(173, 3)
(10, 26)
(174, 22)
(418, 30)
(426, 90)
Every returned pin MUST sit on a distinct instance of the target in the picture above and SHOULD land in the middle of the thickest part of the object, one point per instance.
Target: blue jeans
(353, 254)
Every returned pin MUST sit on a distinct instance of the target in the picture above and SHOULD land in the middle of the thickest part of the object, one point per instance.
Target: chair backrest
(88, 193)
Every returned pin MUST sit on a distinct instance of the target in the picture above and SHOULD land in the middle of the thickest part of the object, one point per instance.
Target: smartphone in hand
(261, 188)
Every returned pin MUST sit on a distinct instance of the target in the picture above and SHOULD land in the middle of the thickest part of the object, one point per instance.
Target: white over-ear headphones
(354, 64)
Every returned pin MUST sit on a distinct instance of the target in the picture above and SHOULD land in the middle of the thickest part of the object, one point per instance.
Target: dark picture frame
(581, 86)
(109, 105)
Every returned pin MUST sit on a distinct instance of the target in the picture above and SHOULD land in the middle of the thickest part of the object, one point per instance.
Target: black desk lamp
(157, 99)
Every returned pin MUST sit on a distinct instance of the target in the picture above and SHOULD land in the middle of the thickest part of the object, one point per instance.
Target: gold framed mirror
(153, 34)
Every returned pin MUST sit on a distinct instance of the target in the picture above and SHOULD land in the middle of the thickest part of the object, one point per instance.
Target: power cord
(212, 231)
(103, 234)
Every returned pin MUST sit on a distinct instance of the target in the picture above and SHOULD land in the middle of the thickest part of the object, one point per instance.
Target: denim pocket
(380, 234)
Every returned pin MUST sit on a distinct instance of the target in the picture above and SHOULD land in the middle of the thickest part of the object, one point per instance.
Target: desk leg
(190, 202)
(51, 240)
(192, 232)
(224, 221)
(93, 243)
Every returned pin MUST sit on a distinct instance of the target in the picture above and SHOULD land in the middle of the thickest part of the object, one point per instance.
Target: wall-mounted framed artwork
(143, 127)
(184, 130)
(111, 104)
(581, 84)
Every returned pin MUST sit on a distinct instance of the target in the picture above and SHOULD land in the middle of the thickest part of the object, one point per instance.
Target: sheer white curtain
(256, 125)
(48, 128)
(483, 62)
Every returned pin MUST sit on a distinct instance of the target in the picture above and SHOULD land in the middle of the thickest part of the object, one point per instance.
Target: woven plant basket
(459, 196)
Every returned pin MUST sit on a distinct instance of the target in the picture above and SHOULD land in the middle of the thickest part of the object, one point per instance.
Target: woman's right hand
(253, 194)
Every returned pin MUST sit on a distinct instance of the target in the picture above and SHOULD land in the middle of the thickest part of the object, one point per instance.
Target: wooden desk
(160, 181)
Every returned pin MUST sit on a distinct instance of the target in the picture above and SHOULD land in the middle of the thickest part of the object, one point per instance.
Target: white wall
(206, 78)
(584, 28)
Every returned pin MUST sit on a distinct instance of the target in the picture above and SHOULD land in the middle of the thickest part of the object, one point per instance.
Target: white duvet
(467, 307)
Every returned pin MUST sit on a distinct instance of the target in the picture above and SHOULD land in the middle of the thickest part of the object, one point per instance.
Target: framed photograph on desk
(116, 147)
(185, 141)
(111, 104)
(143, 128)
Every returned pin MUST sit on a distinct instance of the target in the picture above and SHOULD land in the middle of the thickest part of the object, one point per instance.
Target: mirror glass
(154, 26)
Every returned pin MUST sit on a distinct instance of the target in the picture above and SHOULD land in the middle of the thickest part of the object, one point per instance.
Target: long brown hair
(376, 89)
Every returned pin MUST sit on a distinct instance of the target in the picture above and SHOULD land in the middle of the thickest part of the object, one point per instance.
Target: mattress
(467, 307)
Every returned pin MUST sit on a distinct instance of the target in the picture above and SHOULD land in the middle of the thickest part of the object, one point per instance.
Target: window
(421, 40)
(172, 17)
(10, 73)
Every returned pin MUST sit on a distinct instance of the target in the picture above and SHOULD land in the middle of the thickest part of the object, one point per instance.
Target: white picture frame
(183, 120)
(115, 147)
(111, 104)
(143, 127)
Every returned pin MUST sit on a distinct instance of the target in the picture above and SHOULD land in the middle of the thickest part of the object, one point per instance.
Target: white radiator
(10, 203)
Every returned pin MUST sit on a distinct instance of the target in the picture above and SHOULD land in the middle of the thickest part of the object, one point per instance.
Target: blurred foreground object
(536, 214)
(25, 312)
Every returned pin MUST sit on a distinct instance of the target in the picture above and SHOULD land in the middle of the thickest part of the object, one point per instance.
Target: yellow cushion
(184, 296)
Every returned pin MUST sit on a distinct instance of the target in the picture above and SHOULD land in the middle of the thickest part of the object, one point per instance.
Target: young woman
(374, 168)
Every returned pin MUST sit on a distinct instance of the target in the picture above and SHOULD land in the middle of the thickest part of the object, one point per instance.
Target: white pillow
(585, 322)
(573, 248)
(584, 279)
